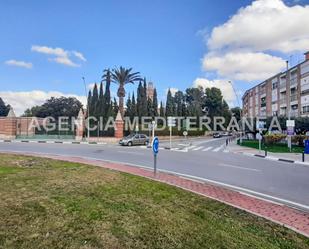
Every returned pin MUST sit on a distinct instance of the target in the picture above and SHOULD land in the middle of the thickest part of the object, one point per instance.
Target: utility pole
(288, 106)
(238, 102)
(88, 112)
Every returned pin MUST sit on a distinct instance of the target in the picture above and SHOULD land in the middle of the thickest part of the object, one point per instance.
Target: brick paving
(283, 215)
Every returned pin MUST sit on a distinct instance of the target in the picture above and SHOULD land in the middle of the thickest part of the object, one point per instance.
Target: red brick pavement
(289, 217)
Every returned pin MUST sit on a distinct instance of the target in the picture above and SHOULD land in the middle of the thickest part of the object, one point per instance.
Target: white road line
(237, 167)
(218, 148)
(208, 148)
(198, 148)
(226, 151)
(190, 147)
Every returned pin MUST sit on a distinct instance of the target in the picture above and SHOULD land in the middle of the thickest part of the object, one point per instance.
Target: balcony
(293, 82)
(282, 101)
(283, 87)
(293, 97)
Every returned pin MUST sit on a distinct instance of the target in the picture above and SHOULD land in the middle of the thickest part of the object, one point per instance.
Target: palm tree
(122, 76)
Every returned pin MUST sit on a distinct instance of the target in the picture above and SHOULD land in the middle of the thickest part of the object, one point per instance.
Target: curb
(48, 142)
(272, 158)
(281, 214)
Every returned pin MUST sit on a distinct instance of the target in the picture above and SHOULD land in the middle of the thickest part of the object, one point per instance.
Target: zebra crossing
(221, 148)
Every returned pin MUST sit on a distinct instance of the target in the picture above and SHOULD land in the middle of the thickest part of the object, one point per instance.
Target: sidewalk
(288, 157)
(286, 216)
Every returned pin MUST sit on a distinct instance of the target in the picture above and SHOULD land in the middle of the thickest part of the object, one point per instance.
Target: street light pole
(239, 107)
(88, 112)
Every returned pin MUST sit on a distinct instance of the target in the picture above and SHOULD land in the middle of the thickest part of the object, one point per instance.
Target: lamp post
(239, 107)
(88, 112)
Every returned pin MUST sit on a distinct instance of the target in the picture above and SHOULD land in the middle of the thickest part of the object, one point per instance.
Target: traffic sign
(155, 145)
(171, 121)
(185, 133)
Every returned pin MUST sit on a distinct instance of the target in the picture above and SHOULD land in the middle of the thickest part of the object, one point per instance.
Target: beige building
(284, 94)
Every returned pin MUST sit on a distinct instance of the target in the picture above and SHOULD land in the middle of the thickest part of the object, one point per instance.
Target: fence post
(265, 151)
(303, 156)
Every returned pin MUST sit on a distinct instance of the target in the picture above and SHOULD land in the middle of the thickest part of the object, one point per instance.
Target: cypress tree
(128, 112)
(89, 103)
(150, 111)
(107, 94)
(139, 100)
(169, 111)
(100, 103)
(162, 114)
(134, 107)
(155, 102)
(94, 101)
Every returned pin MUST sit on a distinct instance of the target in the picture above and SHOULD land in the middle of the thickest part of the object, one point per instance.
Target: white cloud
(79, 55)
(244, 65)
(243, 48)
(264, 25)
(24, 64)
(224, 85)
(20, 101)
(61, 56)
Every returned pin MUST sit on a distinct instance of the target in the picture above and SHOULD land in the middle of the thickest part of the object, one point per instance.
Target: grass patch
(276, 148)
(53, 204)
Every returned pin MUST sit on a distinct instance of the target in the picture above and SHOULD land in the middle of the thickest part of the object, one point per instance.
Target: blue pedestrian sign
(306, 146)
(155, 145)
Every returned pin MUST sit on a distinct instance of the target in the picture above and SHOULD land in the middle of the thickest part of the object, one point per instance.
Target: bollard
(265, 152)
(303, 156)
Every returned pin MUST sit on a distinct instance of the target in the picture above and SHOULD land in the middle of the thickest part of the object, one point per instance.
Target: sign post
(155, 149)
(171, 122)
(290, 124)
(259, 137)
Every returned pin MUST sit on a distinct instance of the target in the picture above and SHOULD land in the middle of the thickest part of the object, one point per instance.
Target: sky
(46, 47)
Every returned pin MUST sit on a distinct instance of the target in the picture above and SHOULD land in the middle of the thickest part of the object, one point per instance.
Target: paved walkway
(289, 217)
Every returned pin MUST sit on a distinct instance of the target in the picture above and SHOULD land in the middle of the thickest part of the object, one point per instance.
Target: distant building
(284, 94)
(150, 90)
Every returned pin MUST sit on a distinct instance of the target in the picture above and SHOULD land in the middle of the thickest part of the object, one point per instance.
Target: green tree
(155, 103)
(134, 107)
(194, 99)
(236, 112)
(100, 102)
(56, 107)
(179, 103)
(94, 101)
(162, 112)
(4, 109)
(107, 94)
(123, 76)
(169, 109)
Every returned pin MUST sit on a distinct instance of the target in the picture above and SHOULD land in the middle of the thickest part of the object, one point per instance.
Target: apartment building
(284, 94)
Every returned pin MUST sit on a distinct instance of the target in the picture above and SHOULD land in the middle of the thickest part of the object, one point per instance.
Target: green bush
(273, 138)
(299, 139)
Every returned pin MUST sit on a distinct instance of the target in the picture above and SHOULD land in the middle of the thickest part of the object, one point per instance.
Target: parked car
(216, 135)
(134, 139)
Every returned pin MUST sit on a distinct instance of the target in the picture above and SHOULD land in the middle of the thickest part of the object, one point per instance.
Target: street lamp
(88, 112)
(239, 107)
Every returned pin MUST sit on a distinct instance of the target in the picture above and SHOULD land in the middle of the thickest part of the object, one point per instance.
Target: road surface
(204, 160)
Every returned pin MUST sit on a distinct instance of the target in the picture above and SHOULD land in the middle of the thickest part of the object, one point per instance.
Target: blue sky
(164, 40)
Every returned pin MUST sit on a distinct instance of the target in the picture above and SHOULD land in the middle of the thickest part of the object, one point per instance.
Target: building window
(306, 109)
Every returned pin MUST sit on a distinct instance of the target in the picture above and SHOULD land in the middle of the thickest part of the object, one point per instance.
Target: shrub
(273, 138)
(299, 139)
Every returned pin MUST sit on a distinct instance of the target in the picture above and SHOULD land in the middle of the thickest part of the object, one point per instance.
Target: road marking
(226, 151)
(239, 189)
(218, 148)
(190, 147)
(198, 148)
(208, 148)
(237, 167)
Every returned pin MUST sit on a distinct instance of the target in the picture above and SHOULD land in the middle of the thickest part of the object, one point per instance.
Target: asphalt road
(205, 160)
